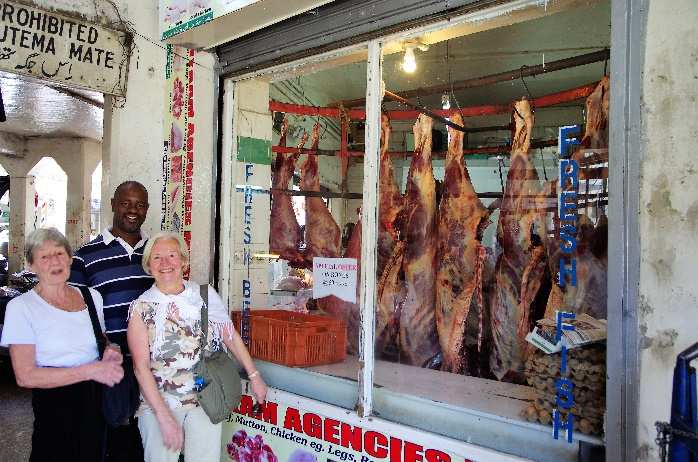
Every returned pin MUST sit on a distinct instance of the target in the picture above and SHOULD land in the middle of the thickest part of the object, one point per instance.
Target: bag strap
(99, 335)
(203, 290)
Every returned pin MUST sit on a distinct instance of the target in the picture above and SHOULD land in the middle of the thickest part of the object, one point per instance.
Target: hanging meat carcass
(460, 255)
(419, 342)
(391, 202)
(521, 265)
(391, 291)
(588, 295)
(597, 106)
(388, 211)
(391, 295)
(322, 235)
(590, 292)
(285, 233)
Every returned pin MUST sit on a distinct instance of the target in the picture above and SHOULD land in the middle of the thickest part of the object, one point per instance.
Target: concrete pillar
(22, 218)
(79, 167)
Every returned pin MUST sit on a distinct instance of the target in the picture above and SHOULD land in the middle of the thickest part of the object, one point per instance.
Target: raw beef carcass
(589, 294)
(419, 342)
(285, 233)
(596, 127)
(390, 298)
(391, 202)
(460, 256)
(521, 265)
(322, 235)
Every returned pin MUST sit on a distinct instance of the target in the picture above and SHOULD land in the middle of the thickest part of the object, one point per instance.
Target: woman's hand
(113, 353)
(259, 388)
(171, 431)
(107, 372)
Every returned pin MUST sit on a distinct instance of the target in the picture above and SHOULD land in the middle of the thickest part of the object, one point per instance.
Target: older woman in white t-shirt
(54, 352)
(163, 337)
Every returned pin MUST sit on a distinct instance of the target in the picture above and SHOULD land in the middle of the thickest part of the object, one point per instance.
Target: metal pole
(423, 110)
(524, 71)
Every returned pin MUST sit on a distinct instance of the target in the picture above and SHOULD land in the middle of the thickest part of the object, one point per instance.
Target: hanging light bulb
(409, 63)
(445, 101)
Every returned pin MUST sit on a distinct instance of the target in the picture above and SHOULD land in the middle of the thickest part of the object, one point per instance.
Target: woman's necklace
(70, 302)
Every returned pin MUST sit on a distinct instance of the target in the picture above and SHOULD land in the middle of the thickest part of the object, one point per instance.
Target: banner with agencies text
(316, 432)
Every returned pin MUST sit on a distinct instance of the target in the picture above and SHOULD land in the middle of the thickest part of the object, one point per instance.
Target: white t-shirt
(61, 338)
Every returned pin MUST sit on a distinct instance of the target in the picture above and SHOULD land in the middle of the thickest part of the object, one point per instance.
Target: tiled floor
(15, 417)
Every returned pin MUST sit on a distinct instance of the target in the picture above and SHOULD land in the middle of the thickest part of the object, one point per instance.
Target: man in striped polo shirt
(111, 264)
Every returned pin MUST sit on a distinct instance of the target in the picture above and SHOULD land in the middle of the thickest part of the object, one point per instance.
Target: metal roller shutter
(335, 25)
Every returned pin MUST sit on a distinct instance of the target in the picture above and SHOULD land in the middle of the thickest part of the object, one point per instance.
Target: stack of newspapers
(586, 330)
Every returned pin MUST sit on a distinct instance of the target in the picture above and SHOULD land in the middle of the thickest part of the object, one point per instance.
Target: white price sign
(335, 276)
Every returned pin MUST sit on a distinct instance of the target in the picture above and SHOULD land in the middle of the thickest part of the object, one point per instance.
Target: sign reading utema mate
(63, 49)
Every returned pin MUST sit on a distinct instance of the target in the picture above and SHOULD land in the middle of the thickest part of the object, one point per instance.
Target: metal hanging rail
(501, 149)
(514, 74)
(565, 96)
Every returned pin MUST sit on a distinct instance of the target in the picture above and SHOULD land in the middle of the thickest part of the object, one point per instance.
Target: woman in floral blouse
(163, 337)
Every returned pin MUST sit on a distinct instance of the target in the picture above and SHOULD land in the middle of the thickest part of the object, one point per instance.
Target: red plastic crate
(295, 339)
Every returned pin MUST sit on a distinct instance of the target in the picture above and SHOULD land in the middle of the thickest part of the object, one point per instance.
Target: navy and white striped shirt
(111, 266)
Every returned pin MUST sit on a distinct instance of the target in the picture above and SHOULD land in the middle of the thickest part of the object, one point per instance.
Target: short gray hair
(38, 237)
(164, 236)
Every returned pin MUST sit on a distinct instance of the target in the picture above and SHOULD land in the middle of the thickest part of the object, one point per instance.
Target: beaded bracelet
(252, 375)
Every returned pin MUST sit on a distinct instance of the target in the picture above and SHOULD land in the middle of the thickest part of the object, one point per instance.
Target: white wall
(133, 135)
(669, 207)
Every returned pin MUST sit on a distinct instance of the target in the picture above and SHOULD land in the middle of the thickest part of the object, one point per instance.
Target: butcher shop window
(314, 192)
(476, 118)
(469, 238)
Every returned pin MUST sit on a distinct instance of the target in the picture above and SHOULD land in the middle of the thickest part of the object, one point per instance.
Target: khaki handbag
(222, 388)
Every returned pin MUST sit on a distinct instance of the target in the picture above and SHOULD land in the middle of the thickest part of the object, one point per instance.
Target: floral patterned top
(173, 323)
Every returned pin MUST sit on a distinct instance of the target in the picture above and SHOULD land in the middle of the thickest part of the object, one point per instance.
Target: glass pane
(469, 234)
(306, 200)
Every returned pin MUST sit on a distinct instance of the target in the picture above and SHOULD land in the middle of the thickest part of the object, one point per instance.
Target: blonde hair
(164, 236)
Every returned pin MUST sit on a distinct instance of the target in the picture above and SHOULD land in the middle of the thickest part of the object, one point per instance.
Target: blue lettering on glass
(568, 242)
(569, 170)
(563, 359)
(568, 209)
(559, 424)
(568, 136)
(568, 181)
(247, 251)
(565, 271)
(564, 398)
(561, 325)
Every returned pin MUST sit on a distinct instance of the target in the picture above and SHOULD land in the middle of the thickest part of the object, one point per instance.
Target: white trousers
(202, 439)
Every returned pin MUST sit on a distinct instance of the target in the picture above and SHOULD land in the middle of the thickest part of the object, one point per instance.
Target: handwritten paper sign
(63, 49)
(335, 276)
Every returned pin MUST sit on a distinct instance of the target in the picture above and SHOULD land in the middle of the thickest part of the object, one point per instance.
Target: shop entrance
(465, 253)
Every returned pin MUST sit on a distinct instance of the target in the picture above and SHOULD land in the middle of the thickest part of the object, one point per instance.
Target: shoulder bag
(120, 402)
(221, 388)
